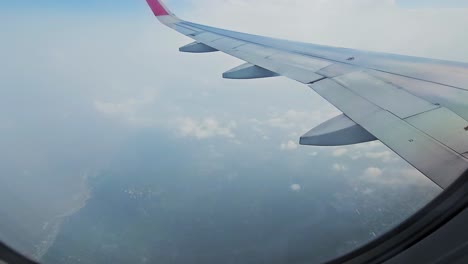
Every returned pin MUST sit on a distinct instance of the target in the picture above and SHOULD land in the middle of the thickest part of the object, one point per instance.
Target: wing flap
(385, 95)
(446, 96)
(449, 128)
(438, 162)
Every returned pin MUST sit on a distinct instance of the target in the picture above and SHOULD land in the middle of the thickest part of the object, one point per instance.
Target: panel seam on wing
(317, 57)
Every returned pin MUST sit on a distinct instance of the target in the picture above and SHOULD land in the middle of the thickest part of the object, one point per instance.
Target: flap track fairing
(248, 71)
(197, 47)
(338, 131)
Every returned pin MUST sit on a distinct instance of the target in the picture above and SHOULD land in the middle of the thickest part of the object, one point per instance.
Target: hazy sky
(79, 78)
(180, 4)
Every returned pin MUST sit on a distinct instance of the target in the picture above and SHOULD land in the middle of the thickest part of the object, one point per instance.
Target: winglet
(158, 8)
(162, 13)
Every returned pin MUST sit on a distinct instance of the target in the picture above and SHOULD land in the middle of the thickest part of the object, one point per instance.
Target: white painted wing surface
(417, 107)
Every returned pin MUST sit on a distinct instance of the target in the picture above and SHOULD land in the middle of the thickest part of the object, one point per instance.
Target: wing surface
(417, 107)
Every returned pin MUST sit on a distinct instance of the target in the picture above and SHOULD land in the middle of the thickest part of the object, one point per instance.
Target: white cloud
(339, 167)
(406, 177)
(385, 156)
(205, 128)
(368, 191)
(413, 176)
(339, 152)
(291, 119)
(131, 111)
(296, 188)
(373, 172)
(290, 145)
(292, 123)
(114, 108)
(355, 155)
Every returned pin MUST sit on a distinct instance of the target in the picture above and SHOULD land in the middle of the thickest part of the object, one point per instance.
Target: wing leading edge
(417, 107)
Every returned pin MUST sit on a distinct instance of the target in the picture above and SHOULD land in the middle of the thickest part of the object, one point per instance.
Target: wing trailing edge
(162, 13)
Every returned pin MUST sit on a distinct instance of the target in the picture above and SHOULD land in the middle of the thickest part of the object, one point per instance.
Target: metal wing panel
(255, 51)
(444, 126)
(433, 159)
(438, 162)
(337, 69)
(207, 37)
(300, 61)
(299, 68)
(279, 62)
(227, 43)
(385, 95)
(247, 47)
(184, 30)
(436, 71)
(284, 64)
(446, 96)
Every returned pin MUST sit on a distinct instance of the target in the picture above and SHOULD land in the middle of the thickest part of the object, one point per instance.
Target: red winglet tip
(157, 8)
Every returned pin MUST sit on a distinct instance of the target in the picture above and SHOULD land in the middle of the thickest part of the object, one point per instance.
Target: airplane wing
(417, 107)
